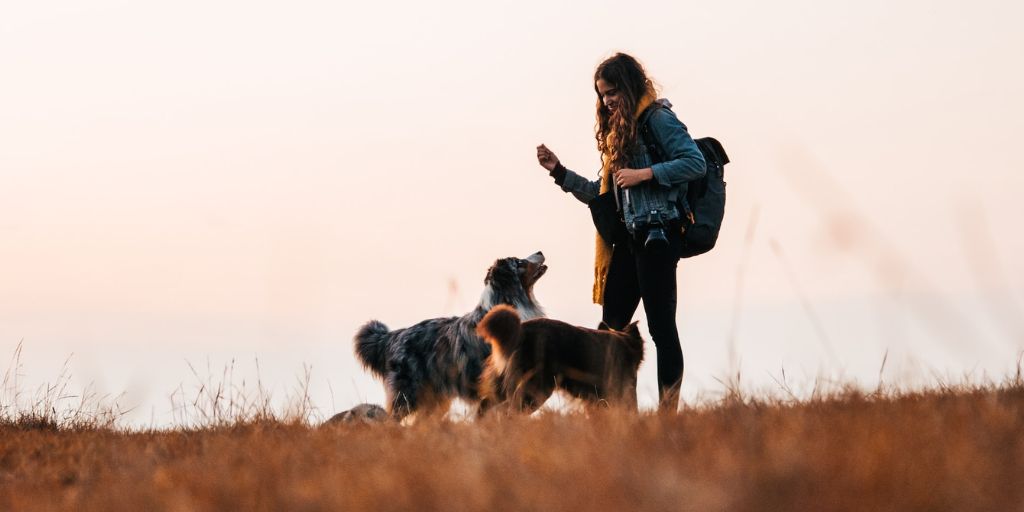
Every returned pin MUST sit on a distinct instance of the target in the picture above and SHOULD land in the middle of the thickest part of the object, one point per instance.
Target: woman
(636, 170)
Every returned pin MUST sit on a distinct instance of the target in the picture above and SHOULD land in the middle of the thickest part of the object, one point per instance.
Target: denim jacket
(683, 162)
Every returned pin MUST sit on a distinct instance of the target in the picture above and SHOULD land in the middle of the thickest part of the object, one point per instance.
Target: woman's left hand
(626, 178)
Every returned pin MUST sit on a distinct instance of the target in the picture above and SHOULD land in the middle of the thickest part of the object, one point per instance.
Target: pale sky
(202, 181)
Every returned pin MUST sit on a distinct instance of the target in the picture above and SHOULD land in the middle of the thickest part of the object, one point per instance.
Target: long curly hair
(616, 132)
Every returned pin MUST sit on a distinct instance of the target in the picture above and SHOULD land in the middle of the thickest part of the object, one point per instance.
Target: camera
(648, 212)
(656, 238)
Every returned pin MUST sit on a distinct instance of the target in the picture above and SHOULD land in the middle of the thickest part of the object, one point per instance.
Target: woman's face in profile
(609, 95)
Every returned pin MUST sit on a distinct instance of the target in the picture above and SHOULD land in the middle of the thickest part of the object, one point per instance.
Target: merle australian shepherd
(428, 364)
(531, 359)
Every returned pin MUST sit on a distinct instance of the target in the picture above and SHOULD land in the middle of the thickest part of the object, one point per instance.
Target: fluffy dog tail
(501, 327)
(371, 345)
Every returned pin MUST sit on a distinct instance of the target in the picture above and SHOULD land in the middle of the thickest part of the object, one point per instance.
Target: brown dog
(529, 360)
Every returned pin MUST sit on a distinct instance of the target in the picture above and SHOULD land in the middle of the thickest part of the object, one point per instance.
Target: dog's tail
(500, 327)
(371, 345)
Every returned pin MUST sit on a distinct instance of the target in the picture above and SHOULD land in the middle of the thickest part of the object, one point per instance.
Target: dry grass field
(949, 448)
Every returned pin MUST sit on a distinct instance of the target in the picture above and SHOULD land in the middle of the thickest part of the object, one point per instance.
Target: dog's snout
(537, 258)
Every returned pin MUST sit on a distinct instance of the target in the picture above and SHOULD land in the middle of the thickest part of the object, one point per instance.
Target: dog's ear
(501, 271)
(633, 329)
(603, 326)
(494, 271)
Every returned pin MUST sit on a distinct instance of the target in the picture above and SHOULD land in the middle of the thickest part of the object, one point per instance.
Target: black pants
(634, 274)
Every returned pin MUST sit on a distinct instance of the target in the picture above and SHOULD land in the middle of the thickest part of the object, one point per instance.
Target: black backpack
(705, 196)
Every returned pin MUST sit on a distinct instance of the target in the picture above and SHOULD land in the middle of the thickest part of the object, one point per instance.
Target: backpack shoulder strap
(644, 125)
(653, 146)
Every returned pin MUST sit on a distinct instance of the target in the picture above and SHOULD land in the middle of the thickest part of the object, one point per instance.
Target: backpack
(705, 196)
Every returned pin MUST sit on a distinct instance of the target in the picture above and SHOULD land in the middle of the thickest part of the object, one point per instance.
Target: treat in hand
(547, 159)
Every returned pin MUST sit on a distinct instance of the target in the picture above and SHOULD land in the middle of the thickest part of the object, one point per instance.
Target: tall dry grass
(53, 406)
(954, 447)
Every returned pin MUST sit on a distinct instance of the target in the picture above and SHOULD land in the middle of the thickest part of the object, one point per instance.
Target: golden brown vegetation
(954, 448)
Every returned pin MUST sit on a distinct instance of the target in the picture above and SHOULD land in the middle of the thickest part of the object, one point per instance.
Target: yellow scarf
(603, 251)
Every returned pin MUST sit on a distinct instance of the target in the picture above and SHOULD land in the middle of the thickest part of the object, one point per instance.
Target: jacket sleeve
(582, 188)
(683, 160)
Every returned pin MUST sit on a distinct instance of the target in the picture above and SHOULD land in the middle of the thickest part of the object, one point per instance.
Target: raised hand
(547, 159)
